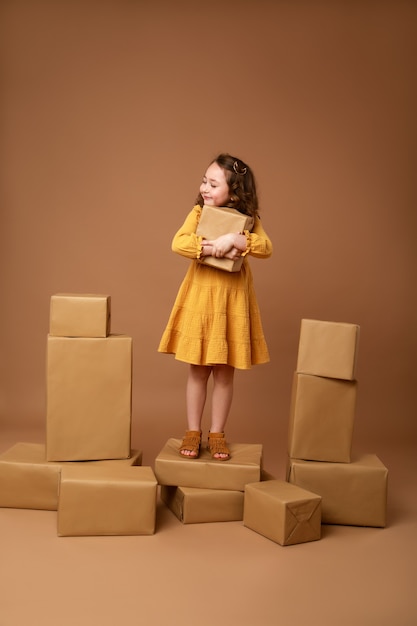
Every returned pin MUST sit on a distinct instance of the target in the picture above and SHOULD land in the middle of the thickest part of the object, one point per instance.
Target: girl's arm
(258, 244)
(188, 244)
(231, 245)
(185, 241)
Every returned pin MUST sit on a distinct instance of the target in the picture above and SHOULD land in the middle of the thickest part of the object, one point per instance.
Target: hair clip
(242, 172)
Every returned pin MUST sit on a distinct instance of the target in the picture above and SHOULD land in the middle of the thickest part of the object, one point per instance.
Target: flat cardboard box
(328, 349)
(217, 221)
(282, 512)
(79, 315)
(243, 467)
(353, 494)
(197, 506)
(106, 501)
(322, 416)
(89, 392)
(29, 481)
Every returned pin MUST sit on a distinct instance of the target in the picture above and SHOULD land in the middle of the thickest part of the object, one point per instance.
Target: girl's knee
(200, 372)
(223, 373)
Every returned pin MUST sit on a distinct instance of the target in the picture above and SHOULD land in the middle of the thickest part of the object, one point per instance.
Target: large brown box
(79, 315)
(106, 501)
(29, 481)
(243, 467)
(353, 494)
(217, 221)
(89, 391)
(328, 349)
(322, 416)
(282, 512)
(196, 506)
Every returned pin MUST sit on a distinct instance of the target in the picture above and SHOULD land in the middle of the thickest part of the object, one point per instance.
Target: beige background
(110, 113)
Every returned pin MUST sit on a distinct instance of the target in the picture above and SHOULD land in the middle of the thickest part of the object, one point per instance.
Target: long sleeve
(258, 243)
(185, 241)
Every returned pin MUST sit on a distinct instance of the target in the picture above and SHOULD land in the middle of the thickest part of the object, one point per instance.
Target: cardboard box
(29, 481)
(89, 389)
(322, 416)
(79, 315)
(328, 349)
(196, 506)
(282, 512)
(243, 467)
(217, 221)
(353, 494)
(106, 501)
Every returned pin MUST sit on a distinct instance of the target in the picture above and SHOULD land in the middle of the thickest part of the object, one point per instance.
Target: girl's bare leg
(223, 376)
(196, 394)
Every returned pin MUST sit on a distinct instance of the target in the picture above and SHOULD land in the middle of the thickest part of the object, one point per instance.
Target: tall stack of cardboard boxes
(87, 470)
(353, 488)
(324, 483)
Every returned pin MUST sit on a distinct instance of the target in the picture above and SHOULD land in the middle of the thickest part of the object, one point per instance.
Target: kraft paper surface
(243, 467)
(107, 501)
(352, 493)
(80, 315)
(282, 513)
(196, 506)
(217, 221)
(29, 481)
(328, 349)
(89, 388)
(322, 416)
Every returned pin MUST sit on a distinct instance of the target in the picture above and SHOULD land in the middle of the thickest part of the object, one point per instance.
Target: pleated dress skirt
(215, 319)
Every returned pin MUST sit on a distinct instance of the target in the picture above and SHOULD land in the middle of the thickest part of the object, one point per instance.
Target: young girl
(215, 324)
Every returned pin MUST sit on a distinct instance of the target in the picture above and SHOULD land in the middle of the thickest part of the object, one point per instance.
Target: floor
(213, 573)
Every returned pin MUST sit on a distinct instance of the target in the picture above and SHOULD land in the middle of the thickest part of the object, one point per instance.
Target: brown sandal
(191, 442)
(217, 445)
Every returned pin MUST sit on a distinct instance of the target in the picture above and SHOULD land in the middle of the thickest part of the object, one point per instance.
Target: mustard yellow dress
(215, 318)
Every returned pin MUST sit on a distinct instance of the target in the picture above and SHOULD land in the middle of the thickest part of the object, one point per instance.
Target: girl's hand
(233, 254)
(222, 245)
(206, 248)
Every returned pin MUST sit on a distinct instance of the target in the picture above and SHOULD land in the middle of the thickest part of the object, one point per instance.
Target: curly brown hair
(242, 185)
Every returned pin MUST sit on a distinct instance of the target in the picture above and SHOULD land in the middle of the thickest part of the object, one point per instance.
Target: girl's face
(214, 188)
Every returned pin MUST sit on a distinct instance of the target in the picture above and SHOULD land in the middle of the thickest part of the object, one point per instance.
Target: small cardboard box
(282, 512)
(29, 481)
(217, 221)
(89, 390)
(106, 501)
(196, 506)
(243, 467)
(322, 416)
(328, 349)
(79, 315)
(353, 494)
